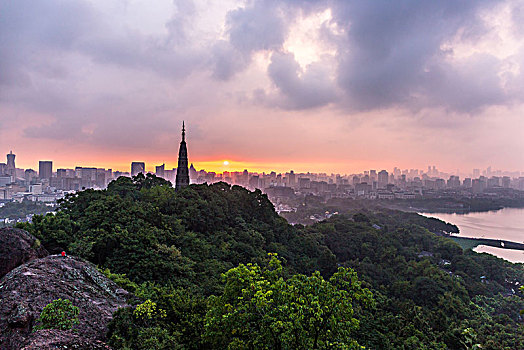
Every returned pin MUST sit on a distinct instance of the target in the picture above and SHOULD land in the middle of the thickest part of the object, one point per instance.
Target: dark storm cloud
(46, 47)
(257, 27)
(260, 25)
(391, 54)
(35, 32)
(181, 19)
(29, 29)
(227, 61)
(466, 87)
(394, 57)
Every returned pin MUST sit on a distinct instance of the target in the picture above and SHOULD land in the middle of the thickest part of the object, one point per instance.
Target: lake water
(507, 224)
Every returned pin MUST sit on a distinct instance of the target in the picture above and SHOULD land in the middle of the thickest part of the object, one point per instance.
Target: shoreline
(497, 232)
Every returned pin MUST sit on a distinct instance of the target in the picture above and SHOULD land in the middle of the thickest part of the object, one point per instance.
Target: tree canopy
(201, 256)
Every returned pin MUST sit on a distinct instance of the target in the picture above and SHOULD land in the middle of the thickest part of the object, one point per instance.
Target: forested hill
(176, 247)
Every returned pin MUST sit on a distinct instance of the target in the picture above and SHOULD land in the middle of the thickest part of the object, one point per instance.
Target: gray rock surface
(25, 291)
(17, 247)
(54, 339)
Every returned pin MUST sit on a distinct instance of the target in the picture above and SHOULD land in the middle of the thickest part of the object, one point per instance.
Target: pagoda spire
(182, 171)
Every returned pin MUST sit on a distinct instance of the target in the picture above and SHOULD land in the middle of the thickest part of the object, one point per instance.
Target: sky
(325, 86)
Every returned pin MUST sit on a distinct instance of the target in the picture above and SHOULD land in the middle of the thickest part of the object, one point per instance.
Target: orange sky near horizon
(218, 166)
(256, 166)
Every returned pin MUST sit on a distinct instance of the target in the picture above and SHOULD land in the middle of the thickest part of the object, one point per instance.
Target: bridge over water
(470, 243)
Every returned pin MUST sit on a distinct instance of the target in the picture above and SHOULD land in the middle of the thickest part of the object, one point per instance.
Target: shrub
(59, 314)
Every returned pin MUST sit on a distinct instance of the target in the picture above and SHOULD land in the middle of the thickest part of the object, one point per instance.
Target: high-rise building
(476, 186)
(10, 168)
(182, 171)
(383, 179)
(101, 178)
(373, 175)
(244, 177)
(2, 169)
(30, 175)
(193, 173)
(137, 168)
(159, 170)
(304, 182)
(45, 169)
(61, 173)
(254, 181)
(291, 178)
(453, 181)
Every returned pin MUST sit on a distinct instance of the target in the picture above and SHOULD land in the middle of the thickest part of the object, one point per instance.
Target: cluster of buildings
(48, 185)
(367, 185)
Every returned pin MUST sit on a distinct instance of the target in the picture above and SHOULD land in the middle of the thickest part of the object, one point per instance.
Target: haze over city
(327, 86)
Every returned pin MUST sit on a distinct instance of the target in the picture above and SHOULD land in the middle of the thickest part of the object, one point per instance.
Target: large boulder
(28, 288)
(17, 247)
(54, 339)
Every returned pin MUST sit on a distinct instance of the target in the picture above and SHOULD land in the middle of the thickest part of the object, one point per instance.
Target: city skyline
(227, 166)
(221, 167)
(49, 186)
(264, 85)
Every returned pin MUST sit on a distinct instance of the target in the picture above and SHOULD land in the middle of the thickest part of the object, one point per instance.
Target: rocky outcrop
(54, 339)
(17, 247)
(28, 288)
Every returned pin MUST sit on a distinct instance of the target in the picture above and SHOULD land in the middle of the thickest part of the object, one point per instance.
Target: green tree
(59, 314)
(260, 309)
(522, 290)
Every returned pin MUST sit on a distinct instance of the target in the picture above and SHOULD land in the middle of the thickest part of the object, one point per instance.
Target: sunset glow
(280, 87)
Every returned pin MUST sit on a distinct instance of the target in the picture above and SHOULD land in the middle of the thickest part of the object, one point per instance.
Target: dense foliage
(19, 210)
(261, 309)
(142, 228)
(187, 253)
(313, 205)
(428, 291)
(507, 198)
(59, 314)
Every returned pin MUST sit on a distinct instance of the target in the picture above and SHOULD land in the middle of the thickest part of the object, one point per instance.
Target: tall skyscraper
(182, 172)
(291, 179)
(10, 168)
(193, 173)
(45, 169)
(383, 179)
(159, 170)
(372, 175)
(137, 168)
